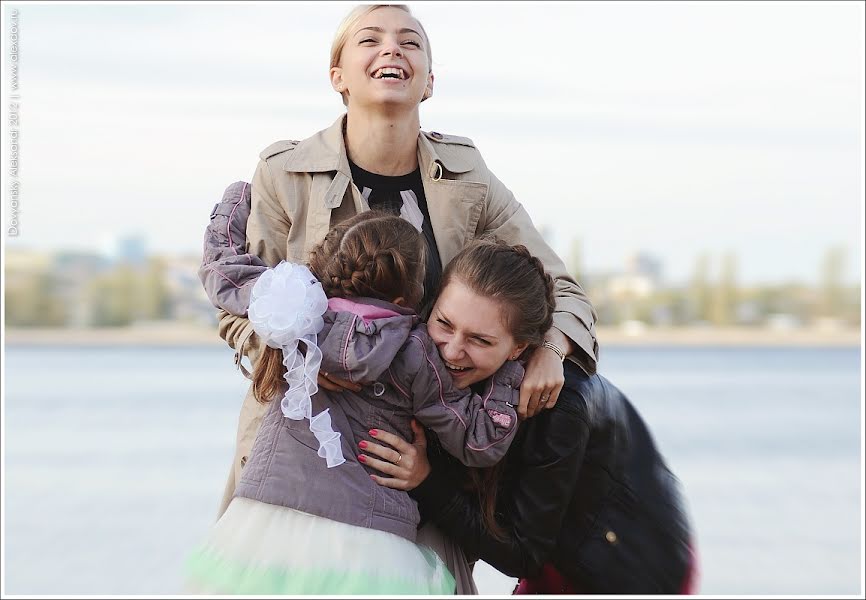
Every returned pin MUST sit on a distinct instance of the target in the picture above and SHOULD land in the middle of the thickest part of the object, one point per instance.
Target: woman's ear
(518, 350)
(428, 91)
(336, 74)
(399, 301)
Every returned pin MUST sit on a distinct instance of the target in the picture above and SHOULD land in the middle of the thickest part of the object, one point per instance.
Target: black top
(400, 195)
(584, 488)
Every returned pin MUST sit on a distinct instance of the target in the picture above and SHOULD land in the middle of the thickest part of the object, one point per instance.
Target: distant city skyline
(124, 285)
(137, 250)
(673, 129)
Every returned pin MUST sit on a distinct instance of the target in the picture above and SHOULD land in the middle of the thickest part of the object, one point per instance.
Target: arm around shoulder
(269, 224)
(504, 217)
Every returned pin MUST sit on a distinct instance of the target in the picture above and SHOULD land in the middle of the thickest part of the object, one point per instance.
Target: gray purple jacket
(384, 347)
(404, 377)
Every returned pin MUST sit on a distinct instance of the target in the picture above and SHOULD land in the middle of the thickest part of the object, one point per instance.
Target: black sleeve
(530, 508)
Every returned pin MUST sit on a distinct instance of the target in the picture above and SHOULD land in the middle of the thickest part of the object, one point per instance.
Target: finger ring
(399, 458)
(325, 374)
(545, 398)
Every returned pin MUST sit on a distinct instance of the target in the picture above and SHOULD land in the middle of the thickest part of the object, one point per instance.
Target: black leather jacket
(583, 488)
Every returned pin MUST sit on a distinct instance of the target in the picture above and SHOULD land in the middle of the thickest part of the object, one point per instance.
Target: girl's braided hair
(373, 254)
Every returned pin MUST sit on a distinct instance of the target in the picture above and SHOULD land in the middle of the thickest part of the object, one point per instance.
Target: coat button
(610, 536)
(436, 135)
(378, 389)
(243, 461)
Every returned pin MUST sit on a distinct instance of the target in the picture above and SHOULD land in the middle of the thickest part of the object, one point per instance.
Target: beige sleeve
(267, 231)
(268, 227)
(506, 218)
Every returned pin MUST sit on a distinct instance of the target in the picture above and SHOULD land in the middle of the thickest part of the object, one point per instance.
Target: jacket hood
(362, 336)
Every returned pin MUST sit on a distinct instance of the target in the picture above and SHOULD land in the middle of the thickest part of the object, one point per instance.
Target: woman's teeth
(455, 367)
(389, 72)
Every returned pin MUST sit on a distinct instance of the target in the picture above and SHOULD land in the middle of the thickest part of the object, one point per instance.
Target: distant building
(25, 263)
(630, 286)
(646, 265)
(129, 249)
(783, 322)
(640, 279)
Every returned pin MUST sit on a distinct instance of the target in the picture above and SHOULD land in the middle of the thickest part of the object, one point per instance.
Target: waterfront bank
(176, 334)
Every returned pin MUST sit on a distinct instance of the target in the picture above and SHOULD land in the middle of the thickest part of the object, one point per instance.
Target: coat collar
(326, 151)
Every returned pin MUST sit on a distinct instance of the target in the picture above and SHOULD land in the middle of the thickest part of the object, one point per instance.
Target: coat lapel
(454, 206)
(324, 157)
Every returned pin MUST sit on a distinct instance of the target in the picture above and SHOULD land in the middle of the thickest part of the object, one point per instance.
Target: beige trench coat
(301, 189)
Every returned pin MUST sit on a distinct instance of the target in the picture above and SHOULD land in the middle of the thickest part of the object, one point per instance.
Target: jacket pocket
(611, 552)
(300, 430)
(631, 549)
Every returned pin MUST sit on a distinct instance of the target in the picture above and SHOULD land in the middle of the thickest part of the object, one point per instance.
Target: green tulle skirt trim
(210, 574)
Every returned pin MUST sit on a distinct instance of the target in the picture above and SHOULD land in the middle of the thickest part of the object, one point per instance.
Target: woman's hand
(335, 384)
(544, 378)
(406, 463)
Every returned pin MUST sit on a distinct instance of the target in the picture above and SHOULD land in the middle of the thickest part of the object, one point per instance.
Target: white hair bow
(286, 307)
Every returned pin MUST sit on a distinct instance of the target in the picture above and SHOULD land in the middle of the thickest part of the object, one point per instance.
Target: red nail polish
(362, 458)
(362, 444)
(374, 432)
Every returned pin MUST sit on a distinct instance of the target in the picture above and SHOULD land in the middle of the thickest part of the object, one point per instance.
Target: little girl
(307, 517)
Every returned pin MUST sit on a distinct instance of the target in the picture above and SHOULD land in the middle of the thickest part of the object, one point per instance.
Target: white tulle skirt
(263, 549)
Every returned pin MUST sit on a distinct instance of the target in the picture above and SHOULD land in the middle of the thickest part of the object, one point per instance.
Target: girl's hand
(543, 380)
(406, 463)
(334, 384)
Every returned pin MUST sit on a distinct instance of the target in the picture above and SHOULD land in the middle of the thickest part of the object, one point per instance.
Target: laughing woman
(375, 156)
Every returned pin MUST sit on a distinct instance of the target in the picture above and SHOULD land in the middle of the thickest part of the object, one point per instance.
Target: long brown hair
(518, 281)
(373, 254)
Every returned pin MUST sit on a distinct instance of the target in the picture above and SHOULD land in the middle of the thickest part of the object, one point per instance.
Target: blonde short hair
(358, 13)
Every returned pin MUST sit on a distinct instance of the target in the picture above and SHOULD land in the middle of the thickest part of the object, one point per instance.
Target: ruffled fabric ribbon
(286, 308)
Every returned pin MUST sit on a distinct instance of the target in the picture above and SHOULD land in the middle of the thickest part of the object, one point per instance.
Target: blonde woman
(376, 156)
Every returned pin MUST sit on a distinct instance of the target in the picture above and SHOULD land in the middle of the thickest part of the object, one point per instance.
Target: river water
(115, 459)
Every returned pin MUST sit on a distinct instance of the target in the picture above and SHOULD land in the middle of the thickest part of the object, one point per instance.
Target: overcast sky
(668, 128)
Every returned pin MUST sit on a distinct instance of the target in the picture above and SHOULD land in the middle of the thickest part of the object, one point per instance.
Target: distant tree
(32, 301)
(725, 299)
(700, 292)
(113, 297)
(853, 308)
(832, 289)
(154, 299)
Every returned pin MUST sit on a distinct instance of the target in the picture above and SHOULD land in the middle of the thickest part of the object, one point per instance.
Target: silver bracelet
(551, 346)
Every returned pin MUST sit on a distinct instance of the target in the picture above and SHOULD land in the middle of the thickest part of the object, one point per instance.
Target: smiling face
(384, 61)
(471, 334)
